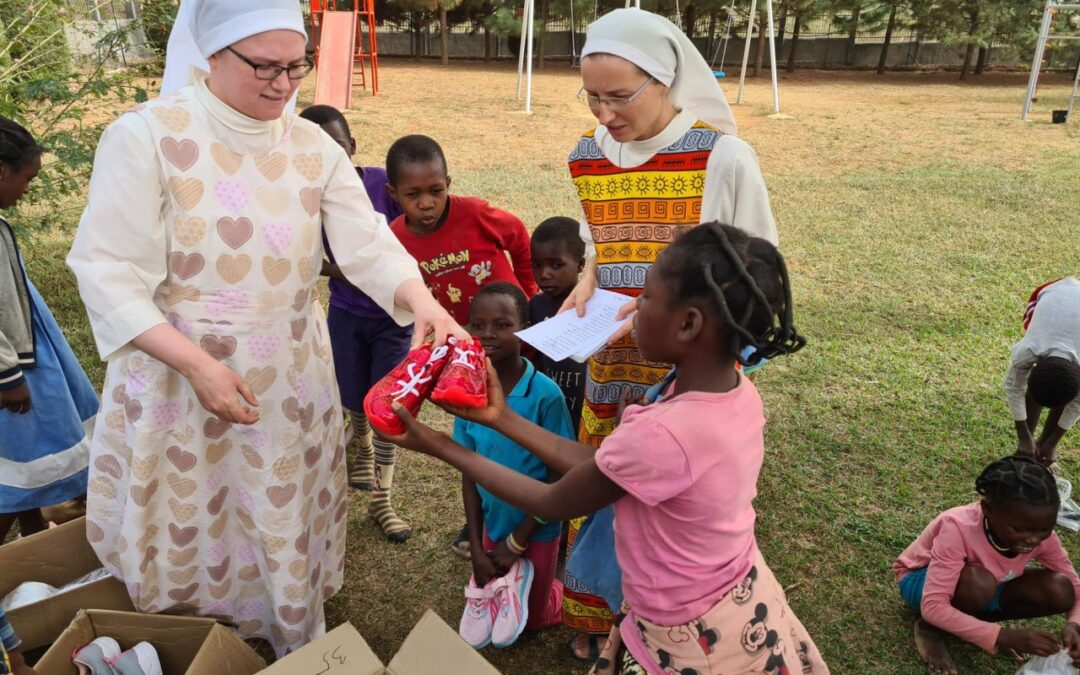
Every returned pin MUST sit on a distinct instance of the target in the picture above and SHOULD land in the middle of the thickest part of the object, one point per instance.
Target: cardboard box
(432, 648)
(56, 557)
(185, 645)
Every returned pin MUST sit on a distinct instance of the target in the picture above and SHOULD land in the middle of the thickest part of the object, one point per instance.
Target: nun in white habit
(217, 482)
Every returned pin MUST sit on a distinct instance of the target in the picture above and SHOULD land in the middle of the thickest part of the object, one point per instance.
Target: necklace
(1004, 550)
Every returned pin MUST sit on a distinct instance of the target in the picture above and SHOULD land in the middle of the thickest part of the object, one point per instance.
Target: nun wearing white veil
(217, 482)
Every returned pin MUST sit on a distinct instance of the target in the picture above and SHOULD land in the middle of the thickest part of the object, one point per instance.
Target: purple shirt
(342, 295)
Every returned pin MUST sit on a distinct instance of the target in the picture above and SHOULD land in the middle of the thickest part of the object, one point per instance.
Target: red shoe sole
(460, 399)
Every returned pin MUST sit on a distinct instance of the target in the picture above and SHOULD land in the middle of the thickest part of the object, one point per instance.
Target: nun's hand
(626, 315)
(581, 294)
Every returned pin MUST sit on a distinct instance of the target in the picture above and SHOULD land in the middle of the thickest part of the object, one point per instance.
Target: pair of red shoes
(453, 374)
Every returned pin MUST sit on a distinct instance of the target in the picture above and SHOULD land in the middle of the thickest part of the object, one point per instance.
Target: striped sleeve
(8, 637)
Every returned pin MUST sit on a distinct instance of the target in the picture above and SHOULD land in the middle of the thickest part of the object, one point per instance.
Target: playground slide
(337, 42)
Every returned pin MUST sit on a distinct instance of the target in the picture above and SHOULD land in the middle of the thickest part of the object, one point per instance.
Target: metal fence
(824, 40)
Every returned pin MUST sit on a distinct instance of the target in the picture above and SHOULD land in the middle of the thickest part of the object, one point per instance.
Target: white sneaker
(96, 658)
(142, 659)
(479, 615)
(512, 603)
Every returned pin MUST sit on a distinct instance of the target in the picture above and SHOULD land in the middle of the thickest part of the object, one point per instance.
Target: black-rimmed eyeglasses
(270, 71)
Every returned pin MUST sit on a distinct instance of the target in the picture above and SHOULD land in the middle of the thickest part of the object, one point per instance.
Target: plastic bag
(1069, 513)
(1058, 664)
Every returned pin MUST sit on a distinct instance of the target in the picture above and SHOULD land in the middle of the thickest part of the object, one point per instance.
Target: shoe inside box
(56, 557)
(183, 644)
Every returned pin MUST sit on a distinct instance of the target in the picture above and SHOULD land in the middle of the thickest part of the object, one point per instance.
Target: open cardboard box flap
(432, 648)
(184, 644)
(56, 557)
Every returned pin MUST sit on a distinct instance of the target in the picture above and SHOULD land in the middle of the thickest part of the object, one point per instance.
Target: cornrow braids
(1018, 479)
(745, 278)
(17, 145)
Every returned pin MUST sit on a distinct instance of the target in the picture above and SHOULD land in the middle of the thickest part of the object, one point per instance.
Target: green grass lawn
(916, 212)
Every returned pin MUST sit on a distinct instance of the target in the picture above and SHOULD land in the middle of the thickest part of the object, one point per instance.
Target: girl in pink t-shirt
(968, 570)
(680, 472)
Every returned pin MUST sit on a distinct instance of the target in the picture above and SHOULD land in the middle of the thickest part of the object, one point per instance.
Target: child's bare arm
(582, 490)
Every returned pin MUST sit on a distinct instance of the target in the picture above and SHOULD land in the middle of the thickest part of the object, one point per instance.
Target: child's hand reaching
(16, 400)
(1020, 643)
(625, 401)
(503, 557)
(484, 568)
(1070, 639)
(496, 402)
(418, 436)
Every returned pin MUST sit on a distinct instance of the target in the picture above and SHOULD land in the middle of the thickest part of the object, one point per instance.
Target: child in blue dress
(47, 404)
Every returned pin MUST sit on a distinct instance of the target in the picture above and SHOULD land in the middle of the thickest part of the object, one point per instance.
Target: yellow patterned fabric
(633, 214)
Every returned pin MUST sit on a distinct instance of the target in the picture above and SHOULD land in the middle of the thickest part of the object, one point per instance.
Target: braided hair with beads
(745, 278)
(1018, 479)
(17, 146)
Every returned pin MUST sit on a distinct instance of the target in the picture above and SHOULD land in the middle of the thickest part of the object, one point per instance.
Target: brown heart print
(133, 410)
(235, 233)
(292, 615)
(142, 495)
(181, 459)
(215, 428)
(311, 198)
(260, 379)
(272, 165)
(220, 348)
(276, 270)
(185, 266)
(225, 158)
(182, 536)
(281, 495)
(187, 192)
(148, 557)
(183, 487)
(184, 594)
(216, 451)
(181, 154)
(110, 465)
(219, 592)
(215, 504)
(182, 558)
(311, 456)
(218, 572)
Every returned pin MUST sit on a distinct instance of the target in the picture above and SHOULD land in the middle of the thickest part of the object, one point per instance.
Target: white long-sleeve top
(120, 255)
(1054, 331)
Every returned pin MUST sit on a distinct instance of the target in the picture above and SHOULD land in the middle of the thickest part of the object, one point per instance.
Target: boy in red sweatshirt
(460, 242)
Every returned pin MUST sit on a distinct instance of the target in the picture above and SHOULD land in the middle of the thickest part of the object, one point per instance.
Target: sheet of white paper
(567, 335)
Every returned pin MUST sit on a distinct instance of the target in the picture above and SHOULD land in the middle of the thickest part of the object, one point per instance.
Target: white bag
(1058, 664)
(1069, 513)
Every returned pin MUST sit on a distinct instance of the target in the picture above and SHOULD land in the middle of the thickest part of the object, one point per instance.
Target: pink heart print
(263, 347)
(278, 237)
(232, 194)
(227, 301)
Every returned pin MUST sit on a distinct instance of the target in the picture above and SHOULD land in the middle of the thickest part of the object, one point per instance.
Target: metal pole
(746, 47)
(1036, 64)
(772, 59)
(528, 58)
(521, 46)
